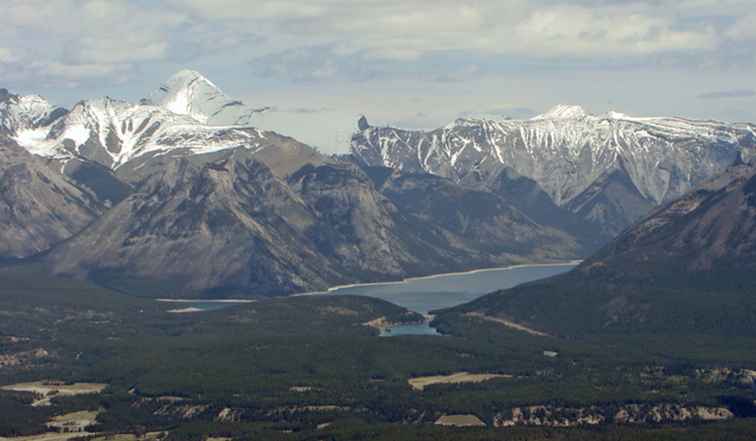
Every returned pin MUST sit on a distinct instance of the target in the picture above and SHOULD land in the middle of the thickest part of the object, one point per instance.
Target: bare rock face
(664, 413)
(608, 169)
(39, 206)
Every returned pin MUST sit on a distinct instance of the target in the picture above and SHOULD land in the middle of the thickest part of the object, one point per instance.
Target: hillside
(686, 268)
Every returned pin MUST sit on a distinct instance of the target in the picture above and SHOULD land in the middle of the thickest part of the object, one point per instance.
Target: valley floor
(307, 367)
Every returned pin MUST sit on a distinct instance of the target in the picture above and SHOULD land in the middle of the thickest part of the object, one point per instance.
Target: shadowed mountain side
(226, 224)
(38, 205)
(687, 268)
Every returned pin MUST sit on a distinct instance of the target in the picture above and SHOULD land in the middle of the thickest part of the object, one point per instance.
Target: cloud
(501, 112)
(244, 9)
(330, 40)
(611, 31)
(308, 110)
(109, 37)
(728, 94)
(743, 29)
(6, 55)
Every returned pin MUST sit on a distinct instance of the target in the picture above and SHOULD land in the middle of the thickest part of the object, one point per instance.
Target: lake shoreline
(442, 275)
(333, 289)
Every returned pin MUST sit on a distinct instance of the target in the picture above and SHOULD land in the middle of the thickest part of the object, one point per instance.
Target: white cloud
(79, 71)
(6, 55)
(260, 9)
(581, 31)
(744, 28)
(77, 39)
(334, 39)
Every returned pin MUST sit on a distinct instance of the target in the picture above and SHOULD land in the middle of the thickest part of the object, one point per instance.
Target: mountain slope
(478, 222)
(225, 225)
(566, 151)
(228, 223)
(687, 268)
(39, 207)
(611, 202)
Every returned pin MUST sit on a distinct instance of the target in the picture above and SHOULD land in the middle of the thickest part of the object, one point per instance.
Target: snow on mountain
(25, 113)
(189, 93)
(565, 150)
(193, 115)
(563, 111)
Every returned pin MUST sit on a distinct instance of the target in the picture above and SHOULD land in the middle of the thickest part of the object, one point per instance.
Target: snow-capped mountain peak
(189, 113)
(190, 93)
(563, 111)
(566, 151)
(24, 112)
(185, 92)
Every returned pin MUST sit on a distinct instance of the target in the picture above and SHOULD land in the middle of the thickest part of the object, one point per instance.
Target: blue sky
(415, 64)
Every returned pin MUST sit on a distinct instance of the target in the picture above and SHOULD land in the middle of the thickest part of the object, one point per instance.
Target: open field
(460, 421)
(420, 383)
(52, 436)
(49, 389)
(74, 422)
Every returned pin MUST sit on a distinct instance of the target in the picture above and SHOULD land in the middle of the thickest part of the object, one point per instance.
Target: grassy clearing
(47, 390)
(460, 421)
(420, 383)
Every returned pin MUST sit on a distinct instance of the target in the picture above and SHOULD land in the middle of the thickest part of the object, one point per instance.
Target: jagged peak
(187, 77)
(190, 93)
(563, 111)
(363, 123)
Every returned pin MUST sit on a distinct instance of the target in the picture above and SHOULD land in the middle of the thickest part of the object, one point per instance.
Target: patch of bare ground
(149, 436)
(300, 389)
(48, 389)
(22, 358)
(381, 323)
(73, 422)
(420, 383)
(51, 436)
(460, 421)
(310, 409)
(508, 323)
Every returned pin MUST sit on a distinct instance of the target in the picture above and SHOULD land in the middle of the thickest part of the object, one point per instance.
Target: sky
(320, 64)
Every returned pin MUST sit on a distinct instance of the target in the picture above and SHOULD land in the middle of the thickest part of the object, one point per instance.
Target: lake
(421, 294)
(425, 294)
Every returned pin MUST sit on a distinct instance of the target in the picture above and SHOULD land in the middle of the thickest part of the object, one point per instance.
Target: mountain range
(186, 198)
(607, 170)
(180, 193)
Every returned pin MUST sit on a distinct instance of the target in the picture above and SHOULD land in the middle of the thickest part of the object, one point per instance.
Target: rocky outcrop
(555, 416)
